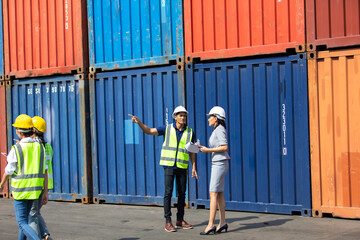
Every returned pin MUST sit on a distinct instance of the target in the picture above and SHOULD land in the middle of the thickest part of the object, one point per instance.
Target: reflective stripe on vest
(28, 182)
(48, 158)
(171, 150)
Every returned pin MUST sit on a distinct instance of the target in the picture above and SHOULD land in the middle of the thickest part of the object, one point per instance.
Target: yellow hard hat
(23, 121)
(39, 123)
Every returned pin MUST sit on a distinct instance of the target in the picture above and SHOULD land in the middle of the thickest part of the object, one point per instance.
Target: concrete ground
(77, 221)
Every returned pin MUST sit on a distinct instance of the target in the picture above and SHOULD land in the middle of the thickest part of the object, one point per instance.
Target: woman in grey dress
(218, 147)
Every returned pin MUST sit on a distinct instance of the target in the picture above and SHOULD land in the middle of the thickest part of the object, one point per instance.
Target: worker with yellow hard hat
(40, 129)
(28, 171)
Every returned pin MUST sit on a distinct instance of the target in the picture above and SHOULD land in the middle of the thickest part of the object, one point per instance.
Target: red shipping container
(44, 37)
(232, 28)
(332, 23)
(3, 136)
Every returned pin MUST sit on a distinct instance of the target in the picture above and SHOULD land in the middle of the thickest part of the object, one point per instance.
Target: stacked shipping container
(334, 129)
(126, 34)
(46, 38)
(49, 38)
(123, 35)
(3, 137)
(334, 106)
(265, 100)
(43, 38)
(62, 102)
(125, 161)
(230, 28)
(266, 107)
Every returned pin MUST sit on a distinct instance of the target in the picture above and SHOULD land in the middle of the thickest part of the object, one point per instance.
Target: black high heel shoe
(225, 226)
(213, 229)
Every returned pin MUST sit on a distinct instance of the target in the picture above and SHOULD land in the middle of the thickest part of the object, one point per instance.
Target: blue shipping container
(125, 160)
(62, 102)
(266, 108)
(126, 34)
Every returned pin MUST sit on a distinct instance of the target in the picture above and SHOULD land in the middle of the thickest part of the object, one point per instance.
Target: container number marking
(37, 90)
(30, 91)
(71, 88)
(62, 89)
(284, 149)
(66, 15)
(53, 89)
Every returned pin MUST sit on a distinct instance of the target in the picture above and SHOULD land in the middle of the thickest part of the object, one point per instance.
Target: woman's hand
(194, 173)
(205, 150)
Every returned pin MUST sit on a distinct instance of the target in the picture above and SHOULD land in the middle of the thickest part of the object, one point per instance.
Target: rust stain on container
(44, 37)
(332, 23)
(231, 28)
(334, 114)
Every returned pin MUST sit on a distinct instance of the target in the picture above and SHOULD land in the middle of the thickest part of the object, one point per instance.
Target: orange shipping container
(334, 112)
(232, 28)
(44, 37)
(3, 136)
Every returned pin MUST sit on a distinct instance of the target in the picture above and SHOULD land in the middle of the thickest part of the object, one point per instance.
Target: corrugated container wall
(125, 160)
(44, 37)
(266, 107)
(334, 105)
(3, 131)
(3, 136)
(332, 23)
(230, 28)
(125, 34)
(63, 102)
(2, 77)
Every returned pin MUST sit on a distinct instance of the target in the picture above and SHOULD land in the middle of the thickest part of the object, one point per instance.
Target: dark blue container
(266, 108)
(63, 103)
(125, 160)
(126, 34)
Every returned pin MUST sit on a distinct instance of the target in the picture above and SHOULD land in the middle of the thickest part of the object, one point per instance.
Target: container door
(334, 132)
(125, 160)
(61, 101)
(265, 101)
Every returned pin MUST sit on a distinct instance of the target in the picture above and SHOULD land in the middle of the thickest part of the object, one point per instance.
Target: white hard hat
(179, 109)
(219, 112)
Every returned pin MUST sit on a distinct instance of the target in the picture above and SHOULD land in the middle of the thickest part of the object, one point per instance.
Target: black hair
(41, 136)
(220, 122)
(27, 134)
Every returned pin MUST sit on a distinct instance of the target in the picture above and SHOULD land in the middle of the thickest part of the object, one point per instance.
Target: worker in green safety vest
(40, 129)
(175, 160)
(28, 171)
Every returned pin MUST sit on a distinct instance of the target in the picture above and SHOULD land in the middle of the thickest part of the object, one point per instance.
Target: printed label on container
(131, 132)
(283, 110)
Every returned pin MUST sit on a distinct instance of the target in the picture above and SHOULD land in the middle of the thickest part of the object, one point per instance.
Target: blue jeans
(22, 212)
(41, 228)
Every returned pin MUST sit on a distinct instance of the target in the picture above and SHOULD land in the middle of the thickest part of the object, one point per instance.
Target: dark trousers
(181, 177)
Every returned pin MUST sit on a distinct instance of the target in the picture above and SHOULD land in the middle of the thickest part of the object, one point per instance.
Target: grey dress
(219, 161)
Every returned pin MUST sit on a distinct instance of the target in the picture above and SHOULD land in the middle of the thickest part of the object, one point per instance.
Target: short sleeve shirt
(218, 138)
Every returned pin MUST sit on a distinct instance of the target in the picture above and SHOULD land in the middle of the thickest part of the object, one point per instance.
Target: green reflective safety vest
(28, 181)
(171, 150)
(48, 158)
